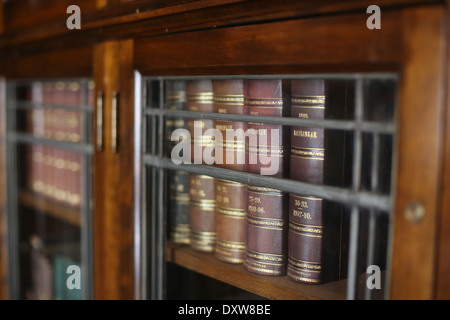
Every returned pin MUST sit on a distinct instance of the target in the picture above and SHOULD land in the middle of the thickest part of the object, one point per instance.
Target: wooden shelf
(276, 288)
(51, 208)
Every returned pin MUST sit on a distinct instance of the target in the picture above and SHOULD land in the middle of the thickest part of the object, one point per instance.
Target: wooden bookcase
(121, 41)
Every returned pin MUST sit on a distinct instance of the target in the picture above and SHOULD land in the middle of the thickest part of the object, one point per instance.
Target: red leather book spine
(266, 251)
(318, 156)
(72, 132)
(56, 119)
(231, 197)
(44, 186)
(76, 125)
(202, 192)
(34, 128)
(307, 159)
(178, 206)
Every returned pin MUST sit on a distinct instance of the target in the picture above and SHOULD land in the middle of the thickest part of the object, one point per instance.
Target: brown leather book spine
(57, 131)
(202, 192)
(45, 186)
(318, 156)
(72, 132)
(307, 159)
(266, 251)
(34, 127)
(231, 197)
(178, 180)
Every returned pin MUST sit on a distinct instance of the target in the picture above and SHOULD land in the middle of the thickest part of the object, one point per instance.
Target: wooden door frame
(113, 224)
(412, 42)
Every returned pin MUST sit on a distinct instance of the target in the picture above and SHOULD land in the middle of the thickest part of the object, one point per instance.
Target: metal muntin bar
(343, 76)
(85, 123)
(14, 281)
(138, 207)
(30, 139)
(361, 198)
(154, 290)
(393, 182)
(372, 213)
(357, 147)
(161, 239)
(352, 280)
(375, 163)
(29, 81)
(153, 135)
(87, 252)
(160, 121)
(160, 214)
(30, 105)
(348, 125)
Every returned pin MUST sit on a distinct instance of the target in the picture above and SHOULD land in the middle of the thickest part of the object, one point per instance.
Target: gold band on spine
(206, 206)
(308, 153)
(261, 102)
(305, 228)
(302, 264)
(201, 97)
(229, 99)
(265, 223)
(268, 271)
(276, 259)
(203, 240)
(231, 213)
(265, 190)
(300, 99)
(180, 233)
(225, 249)
(232, 245)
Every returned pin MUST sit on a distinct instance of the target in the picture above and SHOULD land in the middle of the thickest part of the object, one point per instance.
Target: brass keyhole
(414, 212)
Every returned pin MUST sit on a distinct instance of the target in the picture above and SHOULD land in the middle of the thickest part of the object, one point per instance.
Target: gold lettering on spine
(305, 134)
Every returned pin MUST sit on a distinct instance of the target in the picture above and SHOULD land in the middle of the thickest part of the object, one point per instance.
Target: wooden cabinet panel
(327, 44)
(419, 159)
(113, 184)
(234, 37)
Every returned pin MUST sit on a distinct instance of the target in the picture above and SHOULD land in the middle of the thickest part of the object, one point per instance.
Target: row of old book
(55, 173)
(269, 231)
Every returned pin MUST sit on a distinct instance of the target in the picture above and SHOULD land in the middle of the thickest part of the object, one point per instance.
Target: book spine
(231, 197)
(178, 206)
(56, 173)
(37, 129)
(202, 192)
(53, 130)
(34, 127)
(41, 271)
(71, 189)
(307, 165)
(266, 251)
(42, 186)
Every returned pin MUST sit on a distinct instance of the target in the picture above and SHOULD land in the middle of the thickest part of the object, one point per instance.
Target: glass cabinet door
(270, 186)
(49, 166)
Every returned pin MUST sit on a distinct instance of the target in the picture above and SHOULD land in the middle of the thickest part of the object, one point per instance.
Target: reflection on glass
(51, 117)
